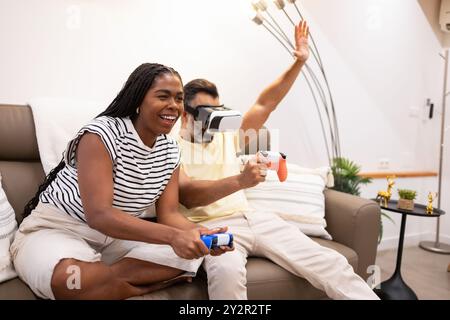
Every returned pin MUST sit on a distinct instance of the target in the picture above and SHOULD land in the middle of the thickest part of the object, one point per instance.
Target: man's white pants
(267, 235)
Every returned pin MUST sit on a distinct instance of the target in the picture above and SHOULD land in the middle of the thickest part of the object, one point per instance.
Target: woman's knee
(74, 279)
(60, 277)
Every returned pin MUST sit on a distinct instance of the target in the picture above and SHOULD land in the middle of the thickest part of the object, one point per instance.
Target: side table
(395, 287)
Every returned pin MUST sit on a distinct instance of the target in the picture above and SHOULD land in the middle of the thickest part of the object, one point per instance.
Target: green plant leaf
(346, 176)
(407, 194)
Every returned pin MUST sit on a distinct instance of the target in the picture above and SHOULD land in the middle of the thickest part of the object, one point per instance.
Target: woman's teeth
(170, 118)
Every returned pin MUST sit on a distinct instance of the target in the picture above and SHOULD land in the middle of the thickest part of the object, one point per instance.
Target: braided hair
(124, 105)
(135, 89)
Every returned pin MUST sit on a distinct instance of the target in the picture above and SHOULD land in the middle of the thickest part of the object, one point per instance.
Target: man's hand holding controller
(253, 172)
(255, 167)
(275, 161)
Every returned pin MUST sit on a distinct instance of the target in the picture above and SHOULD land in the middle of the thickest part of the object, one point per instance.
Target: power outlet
(384, 163)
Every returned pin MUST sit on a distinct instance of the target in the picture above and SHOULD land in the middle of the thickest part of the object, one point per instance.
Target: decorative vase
(405, 204)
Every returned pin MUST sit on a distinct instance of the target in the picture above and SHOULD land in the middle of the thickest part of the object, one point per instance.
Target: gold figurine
(431, 197)
(385, 196)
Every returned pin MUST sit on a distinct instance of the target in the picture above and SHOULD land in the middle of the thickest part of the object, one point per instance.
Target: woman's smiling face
(162, 105)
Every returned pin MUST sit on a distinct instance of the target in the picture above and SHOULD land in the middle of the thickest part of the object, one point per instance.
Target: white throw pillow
(299, 200)
(8, 226)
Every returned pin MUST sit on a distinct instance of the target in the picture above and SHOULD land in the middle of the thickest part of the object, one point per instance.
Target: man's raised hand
(301, 41)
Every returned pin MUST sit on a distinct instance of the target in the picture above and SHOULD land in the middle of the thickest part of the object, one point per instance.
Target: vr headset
(215, 119)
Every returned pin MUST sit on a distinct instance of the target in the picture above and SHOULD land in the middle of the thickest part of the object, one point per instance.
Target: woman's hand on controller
(188, 245)
(222, 249)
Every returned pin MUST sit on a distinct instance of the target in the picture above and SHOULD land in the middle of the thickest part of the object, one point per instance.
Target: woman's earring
(137, 110)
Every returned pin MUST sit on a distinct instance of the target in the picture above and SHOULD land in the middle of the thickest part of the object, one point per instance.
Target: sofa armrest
(354, 222)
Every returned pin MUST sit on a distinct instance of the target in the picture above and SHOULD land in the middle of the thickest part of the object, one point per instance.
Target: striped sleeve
(105, 128)
(178, 161)
(176, 155)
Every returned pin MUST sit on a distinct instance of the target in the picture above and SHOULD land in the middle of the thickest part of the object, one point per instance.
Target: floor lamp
(317, 81)
(437, 246)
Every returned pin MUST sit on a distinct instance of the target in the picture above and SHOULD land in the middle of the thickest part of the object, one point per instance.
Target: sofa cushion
(15, 289)
(20, 182)
(299, 200)
(19, 156)
(17, 134)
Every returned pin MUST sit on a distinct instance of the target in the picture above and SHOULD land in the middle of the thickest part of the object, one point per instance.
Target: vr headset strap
(193, 111)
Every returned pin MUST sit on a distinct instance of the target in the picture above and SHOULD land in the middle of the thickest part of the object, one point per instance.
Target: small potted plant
(407, 197)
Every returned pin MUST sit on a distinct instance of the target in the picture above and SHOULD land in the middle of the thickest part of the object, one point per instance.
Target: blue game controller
(217, 240)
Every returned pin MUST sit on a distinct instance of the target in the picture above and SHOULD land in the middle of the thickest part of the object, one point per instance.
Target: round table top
(419, 210)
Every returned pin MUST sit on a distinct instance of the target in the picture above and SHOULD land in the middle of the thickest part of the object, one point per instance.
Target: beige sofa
(353, 223)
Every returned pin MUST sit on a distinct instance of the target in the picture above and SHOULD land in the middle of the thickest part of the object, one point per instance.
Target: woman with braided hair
(82, 237)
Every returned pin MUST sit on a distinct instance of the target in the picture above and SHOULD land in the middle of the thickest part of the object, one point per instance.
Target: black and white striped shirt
(140, 173)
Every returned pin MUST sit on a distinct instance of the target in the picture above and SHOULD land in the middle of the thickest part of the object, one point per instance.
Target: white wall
(381, 56)
(393, 54)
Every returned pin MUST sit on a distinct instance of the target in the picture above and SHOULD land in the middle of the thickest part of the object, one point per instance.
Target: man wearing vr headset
(211, 193)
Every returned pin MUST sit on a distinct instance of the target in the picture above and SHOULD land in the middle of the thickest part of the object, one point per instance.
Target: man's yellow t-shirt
(213, 161)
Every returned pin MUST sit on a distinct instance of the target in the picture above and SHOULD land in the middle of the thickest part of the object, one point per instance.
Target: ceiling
(431, 10)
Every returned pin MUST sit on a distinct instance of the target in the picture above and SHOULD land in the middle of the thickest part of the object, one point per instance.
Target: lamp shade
(279, 4)
(259, 5)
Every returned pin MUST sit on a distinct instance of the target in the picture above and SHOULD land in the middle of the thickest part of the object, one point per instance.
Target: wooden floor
(424, 272)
